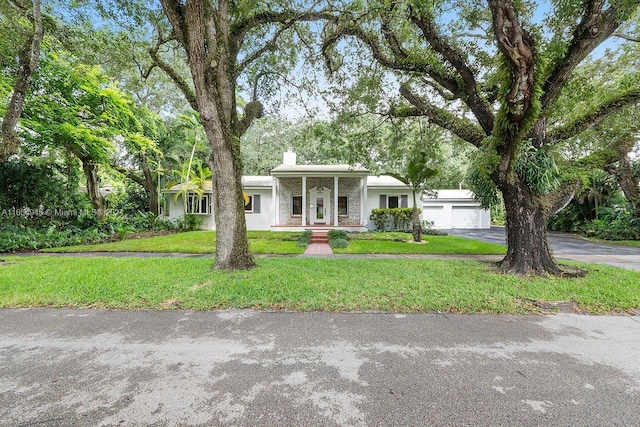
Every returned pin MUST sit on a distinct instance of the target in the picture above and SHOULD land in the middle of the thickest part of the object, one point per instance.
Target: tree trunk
(150, 186)
(528, 250)
(232, 246)
(90, 169)
(415, 220)
(27, 63)
(629, 184)
(212, 51)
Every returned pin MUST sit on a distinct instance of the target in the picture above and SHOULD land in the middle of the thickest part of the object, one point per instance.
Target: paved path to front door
(319, 244)
(315, 249)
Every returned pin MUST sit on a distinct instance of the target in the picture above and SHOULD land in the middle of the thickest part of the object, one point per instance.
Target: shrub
(304, 239)
(617, 229)
(337, 234)
(338, 238)
(86, 229)
(17, 238)
(128, 200)
(338, 243)
(392, 219)
(190, 222)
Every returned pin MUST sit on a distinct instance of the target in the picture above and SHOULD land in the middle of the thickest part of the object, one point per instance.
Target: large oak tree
(222, 40)
(491, 74)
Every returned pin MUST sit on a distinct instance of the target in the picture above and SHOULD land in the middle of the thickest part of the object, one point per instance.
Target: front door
(321, 211)
(320, 206)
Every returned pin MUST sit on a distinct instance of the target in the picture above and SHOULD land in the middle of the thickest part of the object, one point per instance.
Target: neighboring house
(297, 197)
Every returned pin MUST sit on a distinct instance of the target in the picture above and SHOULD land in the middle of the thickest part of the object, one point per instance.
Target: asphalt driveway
(244, 368)
(567, 246)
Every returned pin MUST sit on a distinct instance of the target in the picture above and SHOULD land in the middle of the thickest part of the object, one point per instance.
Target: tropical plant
(416, 175)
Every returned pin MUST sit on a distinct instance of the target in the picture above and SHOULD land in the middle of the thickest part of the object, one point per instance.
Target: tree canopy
(496, 76)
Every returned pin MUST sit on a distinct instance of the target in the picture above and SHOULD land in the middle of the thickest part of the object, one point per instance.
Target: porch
(319, 197)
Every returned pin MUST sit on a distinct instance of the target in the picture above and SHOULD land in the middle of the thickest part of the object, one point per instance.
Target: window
(199, 204)
(342, 206)
(254, 204)
(296, 205)
(391, 202)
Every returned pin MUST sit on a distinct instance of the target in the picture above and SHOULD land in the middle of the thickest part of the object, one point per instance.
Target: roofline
(319, 174)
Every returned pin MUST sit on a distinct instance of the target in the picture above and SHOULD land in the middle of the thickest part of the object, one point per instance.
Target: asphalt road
(242, 368)
(567, 246)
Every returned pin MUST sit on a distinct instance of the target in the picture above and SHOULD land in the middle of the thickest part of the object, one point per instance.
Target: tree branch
(595, 26)
(627, 37)
(129, 174)
(589, 120)
(377, 50)
(481, 109)
(175, 14)
(269, 46)
(447, 96)
(459, 126)
(516, 45)
(174, 75)
(392, 40)
(239, 29)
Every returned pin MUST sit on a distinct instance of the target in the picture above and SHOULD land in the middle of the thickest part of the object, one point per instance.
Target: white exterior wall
(264, 219)
(373, 200)
(176, 211)
(455, 209)
(255, 221)
(451, 209)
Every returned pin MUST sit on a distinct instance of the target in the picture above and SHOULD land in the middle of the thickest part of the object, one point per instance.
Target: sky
(293, 104)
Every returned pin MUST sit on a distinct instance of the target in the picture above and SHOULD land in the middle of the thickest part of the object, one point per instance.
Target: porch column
(335, 201)
(363, 204)
(276, 203)
(304, 201)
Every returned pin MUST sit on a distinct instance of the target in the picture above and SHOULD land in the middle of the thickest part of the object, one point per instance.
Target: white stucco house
(299, 197)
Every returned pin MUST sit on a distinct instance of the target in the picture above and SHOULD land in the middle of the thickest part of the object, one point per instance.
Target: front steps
(319, 237)
(318, 244)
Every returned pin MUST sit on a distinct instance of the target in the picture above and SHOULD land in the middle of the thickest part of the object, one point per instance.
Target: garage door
(465, 217)
(433, 214)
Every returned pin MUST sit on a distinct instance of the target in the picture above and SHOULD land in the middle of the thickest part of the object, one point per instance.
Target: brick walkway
(318, 249)
(319, 244)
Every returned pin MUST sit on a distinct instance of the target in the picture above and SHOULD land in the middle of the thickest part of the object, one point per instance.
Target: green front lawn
(429, 245)
(193, 242)
(270, 242)
(304, 284)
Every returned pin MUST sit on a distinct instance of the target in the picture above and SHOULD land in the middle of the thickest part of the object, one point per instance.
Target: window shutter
(404, 201)
(383, 201)
(256, 203)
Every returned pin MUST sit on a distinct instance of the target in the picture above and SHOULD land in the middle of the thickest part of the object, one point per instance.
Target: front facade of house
(299, 197)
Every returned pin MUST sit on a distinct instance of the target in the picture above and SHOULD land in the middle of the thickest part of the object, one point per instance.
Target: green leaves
(538, 168)
(77, 107)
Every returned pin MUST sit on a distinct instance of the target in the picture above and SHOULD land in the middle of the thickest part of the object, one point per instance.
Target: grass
(309, 284)
(430, 245)
(269, 242)
(193, 242)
